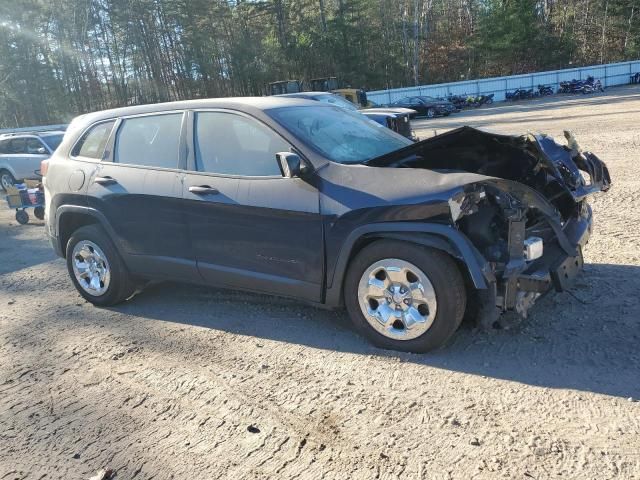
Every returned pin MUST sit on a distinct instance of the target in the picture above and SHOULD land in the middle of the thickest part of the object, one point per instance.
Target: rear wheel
(22, 217)
(6, 180)
(96, 269)
(405, 297)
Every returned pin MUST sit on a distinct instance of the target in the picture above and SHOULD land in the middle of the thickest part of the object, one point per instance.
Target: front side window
(339, 135)
(230, 144)
(93, 141)
(152, 140)
(34, 146)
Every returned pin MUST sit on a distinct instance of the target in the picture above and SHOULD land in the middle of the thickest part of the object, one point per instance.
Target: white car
(21, 154)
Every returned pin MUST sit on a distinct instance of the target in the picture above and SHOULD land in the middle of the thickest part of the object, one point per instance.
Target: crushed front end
(531, 236)
(525, 210)
(526, 248)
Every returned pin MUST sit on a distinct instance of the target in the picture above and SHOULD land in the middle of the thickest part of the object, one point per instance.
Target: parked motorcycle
(459, 101)
(592, 86)
(519, 94)
(485, 99)
(544, 90)
(589, 85)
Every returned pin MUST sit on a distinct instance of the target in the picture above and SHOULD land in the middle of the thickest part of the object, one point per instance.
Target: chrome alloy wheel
(397, 299)
(91, 268)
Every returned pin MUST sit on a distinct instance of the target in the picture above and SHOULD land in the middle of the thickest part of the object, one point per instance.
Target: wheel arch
(438, 236)
(70, 218)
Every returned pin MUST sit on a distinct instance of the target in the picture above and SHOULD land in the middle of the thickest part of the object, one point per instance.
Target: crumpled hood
(380, 186)
(474, 150)
(383, 186)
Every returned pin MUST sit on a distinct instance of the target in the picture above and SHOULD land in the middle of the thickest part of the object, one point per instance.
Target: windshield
(53, 141)
(428, 99)
(338, 101)
(341, 136)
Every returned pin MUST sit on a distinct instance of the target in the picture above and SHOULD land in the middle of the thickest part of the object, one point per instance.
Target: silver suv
(21, 154)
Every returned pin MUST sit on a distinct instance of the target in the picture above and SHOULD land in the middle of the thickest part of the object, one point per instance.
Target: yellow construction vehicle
(356, 96)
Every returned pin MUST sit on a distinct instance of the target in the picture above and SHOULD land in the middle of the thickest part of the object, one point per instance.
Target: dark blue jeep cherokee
(296, 198)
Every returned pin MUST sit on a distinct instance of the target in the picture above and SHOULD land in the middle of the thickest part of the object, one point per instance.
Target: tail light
(44, 166)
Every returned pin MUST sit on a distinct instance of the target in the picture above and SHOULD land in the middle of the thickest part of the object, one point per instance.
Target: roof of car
(5, 136)
(233, 103)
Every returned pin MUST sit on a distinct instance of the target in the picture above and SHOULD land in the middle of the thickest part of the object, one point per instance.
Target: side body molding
(433, 235)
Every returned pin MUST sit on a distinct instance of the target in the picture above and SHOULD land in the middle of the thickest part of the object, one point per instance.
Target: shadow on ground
(585, 339)
(27, 238)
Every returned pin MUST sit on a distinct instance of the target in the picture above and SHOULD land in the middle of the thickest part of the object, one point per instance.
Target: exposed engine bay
(529, 219)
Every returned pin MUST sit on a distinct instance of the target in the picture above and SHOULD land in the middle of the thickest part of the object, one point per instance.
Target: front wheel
(96, 269)
(431, 113)
(39, 212)
(404, 297)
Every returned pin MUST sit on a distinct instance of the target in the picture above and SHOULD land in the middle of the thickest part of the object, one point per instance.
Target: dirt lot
(189, 383)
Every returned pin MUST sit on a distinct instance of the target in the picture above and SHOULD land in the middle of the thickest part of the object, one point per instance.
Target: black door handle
(204, 190)
(105, 180)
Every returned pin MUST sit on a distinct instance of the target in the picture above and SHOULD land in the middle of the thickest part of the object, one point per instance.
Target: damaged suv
(295, 198)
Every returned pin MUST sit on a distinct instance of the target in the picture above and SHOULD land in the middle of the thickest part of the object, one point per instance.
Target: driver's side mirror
(290, 164)
(41, 150)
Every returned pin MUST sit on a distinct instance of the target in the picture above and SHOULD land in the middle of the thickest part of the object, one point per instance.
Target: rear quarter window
(93, 141)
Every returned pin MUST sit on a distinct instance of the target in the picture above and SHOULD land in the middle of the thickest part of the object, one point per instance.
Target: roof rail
(33, 130)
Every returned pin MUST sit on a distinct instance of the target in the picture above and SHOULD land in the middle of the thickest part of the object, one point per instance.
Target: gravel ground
(192, 383)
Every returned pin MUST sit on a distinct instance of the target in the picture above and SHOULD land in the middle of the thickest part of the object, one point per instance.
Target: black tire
(22, 217)
(120, 286)
(443, 274)
(39, 213)
(5, 179)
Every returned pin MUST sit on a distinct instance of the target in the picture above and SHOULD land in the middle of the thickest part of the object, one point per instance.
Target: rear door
(138, 187)
(250, 227)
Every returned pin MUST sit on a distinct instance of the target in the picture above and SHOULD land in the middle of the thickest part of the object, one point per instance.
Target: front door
(250, 227)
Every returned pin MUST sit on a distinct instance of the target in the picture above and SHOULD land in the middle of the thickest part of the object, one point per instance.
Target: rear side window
(18, 146)
(4, 147)
(231, 144)
(152, 141)
(93, 141)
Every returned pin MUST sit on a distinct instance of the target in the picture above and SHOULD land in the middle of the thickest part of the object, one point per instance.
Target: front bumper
(523, 284)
